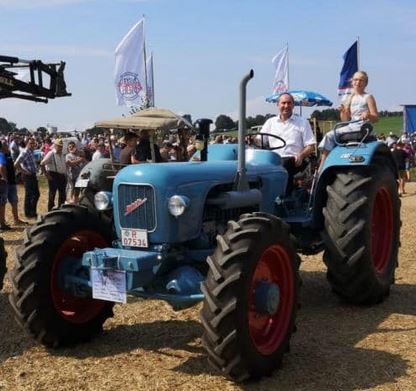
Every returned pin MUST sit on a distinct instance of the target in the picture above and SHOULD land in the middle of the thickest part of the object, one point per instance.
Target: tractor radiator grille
(142, 216)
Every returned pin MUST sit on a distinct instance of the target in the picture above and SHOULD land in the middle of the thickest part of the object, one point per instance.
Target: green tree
(13, 126)
(224, 122)
(42, 130)
(326, 115)
(5, 127)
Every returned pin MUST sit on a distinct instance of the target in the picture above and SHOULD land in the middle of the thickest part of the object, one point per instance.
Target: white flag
(150, 81)
(281, 75)
(129, 72)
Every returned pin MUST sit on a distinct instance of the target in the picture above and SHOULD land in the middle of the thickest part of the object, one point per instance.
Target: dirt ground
(148, 346)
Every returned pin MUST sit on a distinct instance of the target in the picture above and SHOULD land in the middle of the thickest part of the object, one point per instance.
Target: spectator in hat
(53, 165)
(26, 164)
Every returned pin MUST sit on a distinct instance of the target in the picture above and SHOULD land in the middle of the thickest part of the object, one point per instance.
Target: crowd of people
(23, 158)
(403, 149)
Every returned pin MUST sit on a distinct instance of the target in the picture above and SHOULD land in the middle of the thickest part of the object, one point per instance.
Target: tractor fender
(98, 175)
(339, 159)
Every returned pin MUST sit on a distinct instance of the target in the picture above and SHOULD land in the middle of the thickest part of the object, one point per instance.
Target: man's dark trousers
(56, 183)
(292, 170)
(31, 195)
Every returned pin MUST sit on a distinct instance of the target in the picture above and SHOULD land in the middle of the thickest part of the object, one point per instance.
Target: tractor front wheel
(251, 297)
(51, 315)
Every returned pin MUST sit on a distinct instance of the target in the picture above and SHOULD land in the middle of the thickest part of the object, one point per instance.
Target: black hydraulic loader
(45, 81)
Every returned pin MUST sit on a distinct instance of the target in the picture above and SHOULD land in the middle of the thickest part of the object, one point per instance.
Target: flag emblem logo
(279, 87)
(129, 85)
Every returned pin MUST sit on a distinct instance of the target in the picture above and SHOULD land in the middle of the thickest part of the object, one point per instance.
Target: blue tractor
(219, 230)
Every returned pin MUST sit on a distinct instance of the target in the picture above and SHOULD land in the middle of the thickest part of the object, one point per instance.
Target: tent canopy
(152, 118)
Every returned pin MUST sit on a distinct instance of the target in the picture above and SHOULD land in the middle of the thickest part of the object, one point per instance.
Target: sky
(202, 49)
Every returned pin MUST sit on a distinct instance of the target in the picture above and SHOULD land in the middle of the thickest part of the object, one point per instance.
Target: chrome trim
(154, 199)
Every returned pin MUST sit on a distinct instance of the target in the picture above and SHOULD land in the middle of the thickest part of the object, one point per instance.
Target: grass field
(389, 124)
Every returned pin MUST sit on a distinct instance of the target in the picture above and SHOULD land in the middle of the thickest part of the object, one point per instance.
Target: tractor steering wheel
(265, 145)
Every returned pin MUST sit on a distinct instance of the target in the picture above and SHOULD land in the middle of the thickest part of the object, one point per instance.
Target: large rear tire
(3, 268)
(52, 316)
(251, 297)
(362, 233)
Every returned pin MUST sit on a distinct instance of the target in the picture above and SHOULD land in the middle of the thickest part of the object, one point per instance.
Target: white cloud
(28, 4)
(56, 50)
(37, 3)
(133, 1)
(257, 105)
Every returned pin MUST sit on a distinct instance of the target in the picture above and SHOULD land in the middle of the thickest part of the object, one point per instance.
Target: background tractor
(218, 230)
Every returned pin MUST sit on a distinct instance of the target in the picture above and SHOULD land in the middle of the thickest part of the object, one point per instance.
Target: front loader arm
(34, 89)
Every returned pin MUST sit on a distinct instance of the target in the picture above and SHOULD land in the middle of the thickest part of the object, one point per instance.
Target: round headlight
(178, 205)
(103, 200)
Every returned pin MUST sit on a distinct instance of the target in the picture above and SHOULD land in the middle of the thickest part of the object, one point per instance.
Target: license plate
(80, 182)
(109, 285)
(134, 237)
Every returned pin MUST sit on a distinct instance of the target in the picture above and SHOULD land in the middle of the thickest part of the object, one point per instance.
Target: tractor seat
(363, 135)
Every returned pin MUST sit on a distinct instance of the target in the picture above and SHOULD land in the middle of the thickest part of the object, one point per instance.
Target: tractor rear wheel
(251, 297)
(362, 233)
(53, 316)
(3, 268)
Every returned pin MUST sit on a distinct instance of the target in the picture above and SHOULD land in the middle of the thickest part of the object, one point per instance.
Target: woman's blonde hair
(362, 74)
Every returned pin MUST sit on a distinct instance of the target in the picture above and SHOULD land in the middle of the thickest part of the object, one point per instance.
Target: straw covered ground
(148, 346)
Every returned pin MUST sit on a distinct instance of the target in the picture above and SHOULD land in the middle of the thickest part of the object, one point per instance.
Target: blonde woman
(360, 106)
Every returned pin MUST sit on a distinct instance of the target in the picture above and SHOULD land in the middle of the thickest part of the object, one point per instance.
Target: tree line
(7, 127)
(224, 122)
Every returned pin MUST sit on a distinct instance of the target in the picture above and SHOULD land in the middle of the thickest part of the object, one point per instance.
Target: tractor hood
(156, 183)
(171, 175)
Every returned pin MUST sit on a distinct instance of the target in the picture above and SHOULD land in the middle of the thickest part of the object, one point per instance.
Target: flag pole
(358, 52)
(288, 74)
(153, 82)
(145, 60)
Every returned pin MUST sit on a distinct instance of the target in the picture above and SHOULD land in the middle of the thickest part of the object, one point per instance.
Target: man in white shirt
(99, 152)
(297, 133)
(53, 165)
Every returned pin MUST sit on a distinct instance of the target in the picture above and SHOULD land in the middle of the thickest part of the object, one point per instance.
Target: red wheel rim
(74, 309)
(268, 331)
(382, 230)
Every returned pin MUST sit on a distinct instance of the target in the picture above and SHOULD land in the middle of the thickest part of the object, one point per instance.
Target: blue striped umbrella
(304, 98)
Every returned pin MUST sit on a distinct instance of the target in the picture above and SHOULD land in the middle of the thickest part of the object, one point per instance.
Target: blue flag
(348, 69)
